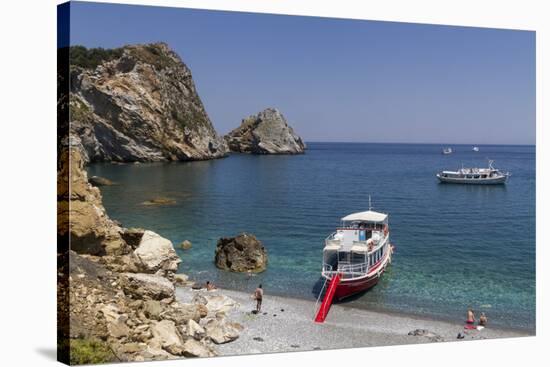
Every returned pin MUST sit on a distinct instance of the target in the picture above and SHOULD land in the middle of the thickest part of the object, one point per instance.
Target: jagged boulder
(194, 330)
(147, 286)
(220, 331)
(215, 303)
(194, 348)
(265, 133)
(241, 254)
(157, 253)
(168, 336)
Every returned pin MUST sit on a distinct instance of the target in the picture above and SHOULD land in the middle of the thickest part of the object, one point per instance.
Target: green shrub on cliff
(90, 58)
(90, 351)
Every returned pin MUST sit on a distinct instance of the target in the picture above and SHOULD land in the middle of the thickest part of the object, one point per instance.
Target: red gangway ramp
(327, 300)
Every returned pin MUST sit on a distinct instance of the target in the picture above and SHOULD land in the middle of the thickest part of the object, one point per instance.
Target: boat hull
(353, 287)
(348, 288)
(477, 181)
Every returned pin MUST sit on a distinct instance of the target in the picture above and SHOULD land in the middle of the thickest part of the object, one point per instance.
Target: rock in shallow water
(241, 254)
(100, 181)
(159, 201)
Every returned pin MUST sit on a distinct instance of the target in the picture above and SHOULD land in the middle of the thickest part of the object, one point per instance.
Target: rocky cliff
(116, 286)
(138, 103)
(265, 133)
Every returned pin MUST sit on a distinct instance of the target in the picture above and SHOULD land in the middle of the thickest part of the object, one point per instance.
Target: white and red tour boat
(354, 257)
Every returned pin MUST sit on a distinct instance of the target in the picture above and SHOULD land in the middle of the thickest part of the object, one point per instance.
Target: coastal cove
(456, 246)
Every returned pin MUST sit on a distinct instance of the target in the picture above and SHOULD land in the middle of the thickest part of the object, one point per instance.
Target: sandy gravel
(286, 325)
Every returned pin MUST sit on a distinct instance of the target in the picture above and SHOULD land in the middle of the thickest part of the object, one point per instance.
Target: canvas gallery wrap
(234, 183)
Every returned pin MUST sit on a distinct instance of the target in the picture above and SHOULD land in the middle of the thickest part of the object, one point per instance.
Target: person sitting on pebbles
(482, 319)
(210, 286)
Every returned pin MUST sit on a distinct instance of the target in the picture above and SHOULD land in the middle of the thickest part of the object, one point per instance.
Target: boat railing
(348, 270)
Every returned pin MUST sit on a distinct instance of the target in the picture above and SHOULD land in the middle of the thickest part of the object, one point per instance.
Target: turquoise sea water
(456, 246)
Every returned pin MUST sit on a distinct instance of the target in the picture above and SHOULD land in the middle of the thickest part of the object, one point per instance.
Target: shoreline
(384, 310)
(286, 324)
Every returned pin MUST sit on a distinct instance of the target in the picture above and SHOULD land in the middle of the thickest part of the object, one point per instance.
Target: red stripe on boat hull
(348, 288)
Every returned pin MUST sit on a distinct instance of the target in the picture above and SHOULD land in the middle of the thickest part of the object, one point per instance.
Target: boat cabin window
(358, 257)
(344, 257)
(331, 258)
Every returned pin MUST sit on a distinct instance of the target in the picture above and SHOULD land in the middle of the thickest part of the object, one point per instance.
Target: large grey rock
(220, 331)
(157, 253)
(140, 104)
(181, 313)
(194, 330)
(116, 322)
(215, 303)
(265, 133)
(146, 286)
(166, 333)
(194, 348)
(241, 254)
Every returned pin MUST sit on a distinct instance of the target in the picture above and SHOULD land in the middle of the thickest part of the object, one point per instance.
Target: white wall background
(28, 166)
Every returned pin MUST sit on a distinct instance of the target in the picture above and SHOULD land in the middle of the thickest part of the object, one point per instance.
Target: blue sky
(340, 80)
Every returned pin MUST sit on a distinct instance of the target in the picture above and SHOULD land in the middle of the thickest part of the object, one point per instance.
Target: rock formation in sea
(265, 133)
(241, 254)
(138, 103)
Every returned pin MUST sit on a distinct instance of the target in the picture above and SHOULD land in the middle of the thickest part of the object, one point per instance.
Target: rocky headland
(116, 289)
(265, 133)
(138, 103)
(116, 285)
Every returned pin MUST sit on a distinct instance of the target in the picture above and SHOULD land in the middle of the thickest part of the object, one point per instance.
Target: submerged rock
(159, 201)
(241, 254)
(100, 181)
(186, 245)
(265, 133)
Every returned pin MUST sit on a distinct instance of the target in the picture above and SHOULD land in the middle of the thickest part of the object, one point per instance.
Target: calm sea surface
(456, 246)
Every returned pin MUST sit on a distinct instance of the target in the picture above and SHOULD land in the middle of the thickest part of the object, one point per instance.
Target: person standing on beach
(470, 317)
(259, 295)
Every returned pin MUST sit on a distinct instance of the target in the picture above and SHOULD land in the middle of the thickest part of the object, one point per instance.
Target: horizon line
(417, 143)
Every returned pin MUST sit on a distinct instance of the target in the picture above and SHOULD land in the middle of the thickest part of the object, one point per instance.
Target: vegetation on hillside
(90, 58)
(90, 351)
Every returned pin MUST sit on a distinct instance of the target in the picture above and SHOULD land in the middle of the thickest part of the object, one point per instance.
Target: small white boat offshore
(475, 176)
(475, 149)
(447, 150)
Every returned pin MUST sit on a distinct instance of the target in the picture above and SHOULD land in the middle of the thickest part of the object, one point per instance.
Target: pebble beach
(286, 324)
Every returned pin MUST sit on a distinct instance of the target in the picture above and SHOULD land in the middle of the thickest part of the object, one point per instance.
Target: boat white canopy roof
(368, 216)
(332, 246)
